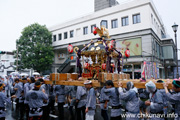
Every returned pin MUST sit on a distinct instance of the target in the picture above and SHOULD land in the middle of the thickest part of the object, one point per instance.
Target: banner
(134, 45)
(150, 70)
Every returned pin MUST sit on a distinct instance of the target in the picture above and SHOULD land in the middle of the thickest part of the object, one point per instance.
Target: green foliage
(34, 48)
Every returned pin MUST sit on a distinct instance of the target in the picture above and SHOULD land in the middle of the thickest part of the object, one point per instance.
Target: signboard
(134, 45)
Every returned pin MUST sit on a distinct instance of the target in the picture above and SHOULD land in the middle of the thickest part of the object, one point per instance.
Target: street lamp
(175, 28)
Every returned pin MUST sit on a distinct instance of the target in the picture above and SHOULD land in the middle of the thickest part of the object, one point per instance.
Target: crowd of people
(35, 100)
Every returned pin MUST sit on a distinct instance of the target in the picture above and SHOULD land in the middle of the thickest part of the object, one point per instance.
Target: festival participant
(32, 83)
(165, 101)
(72, 100)
(22, 98)
(156, 101)
(52, 99)
(113, 94)
(3, 100)
(132, 100)
(174, 97)
(60, 99)
(81, 101)
(12, 92)
(90, 101)
(18, 89)
(26, 90)
(7, 88)
(144, 96)
(46, 109)
(21, 105)
(104, 104)
(35, 99)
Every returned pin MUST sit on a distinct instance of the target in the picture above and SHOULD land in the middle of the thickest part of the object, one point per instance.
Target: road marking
(54, 116)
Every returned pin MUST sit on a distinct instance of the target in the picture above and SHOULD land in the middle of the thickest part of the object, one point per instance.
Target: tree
(34, 48)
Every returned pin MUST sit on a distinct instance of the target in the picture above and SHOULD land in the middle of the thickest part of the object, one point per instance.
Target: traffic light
(2, 52)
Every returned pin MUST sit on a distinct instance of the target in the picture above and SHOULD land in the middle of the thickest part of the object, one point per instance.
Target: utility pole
(175, 28)
(17, 58)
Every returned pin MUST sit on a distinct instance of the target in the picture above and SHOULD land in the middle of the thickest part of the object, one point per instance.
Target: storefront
(133, 69)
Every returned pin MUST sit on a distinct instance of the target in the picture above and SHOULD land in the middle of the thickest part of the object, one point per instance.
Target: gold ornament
(98, 48)
(95, 44)
(92, 48)
(76, 48)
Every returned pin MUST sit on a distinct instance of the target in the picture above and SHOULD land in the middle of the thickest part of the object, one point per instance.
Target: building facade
(135, 24)
(7, 63)
(102, 4)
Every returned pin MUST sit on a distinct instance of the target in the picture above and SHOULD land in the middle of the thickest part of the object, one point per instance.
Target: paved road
(13, 114)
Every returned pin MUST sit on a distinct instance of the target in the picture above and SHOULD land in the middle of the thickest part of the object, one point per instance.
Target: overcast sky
(17, 14)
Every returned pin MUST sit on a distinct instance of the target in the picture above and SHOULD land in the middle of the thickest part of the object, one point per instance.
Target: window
(152, 18)
(78, 32)
(60, 36)
(104, 23)
(85, 30)
(162, 34)
(158, 50)
(136, 19)
(54, 38)
(65, 35)
(92, 28)
(114, 23)
(125, 21)
(168, 52)
(71, 33)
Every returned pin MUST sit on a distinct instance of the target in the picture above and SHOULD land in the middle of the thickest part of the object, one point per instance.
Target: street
(13, 114)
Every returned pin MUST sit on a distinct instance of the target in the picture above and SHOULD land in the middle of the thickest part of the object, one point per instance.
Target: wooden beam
(98, 84)
(95, 83)
(61, 79)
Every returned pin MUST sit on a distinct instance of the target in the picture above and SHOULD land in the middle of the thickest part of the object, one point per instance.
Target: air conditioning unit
(61, 56)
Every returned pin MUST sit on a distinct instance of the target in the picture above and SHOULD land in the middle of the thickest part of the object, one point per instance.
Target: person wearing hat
(156, 103)
(81, 101)
(114, 101)
(90, 101)
(130, 96)
(3, 100)
(35, 99)
(174, 97)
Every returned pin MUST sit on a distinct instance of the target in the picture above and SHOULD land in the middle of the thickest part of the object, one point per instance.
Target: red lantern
(104, 66)
(86, 65)
(127, 53)
(94, 32)
(111, 44)
(70, 48)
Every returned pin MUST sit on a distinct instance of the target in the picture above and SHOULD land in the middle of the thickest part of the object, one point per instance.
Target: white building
(137, 22)
(7, 63)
